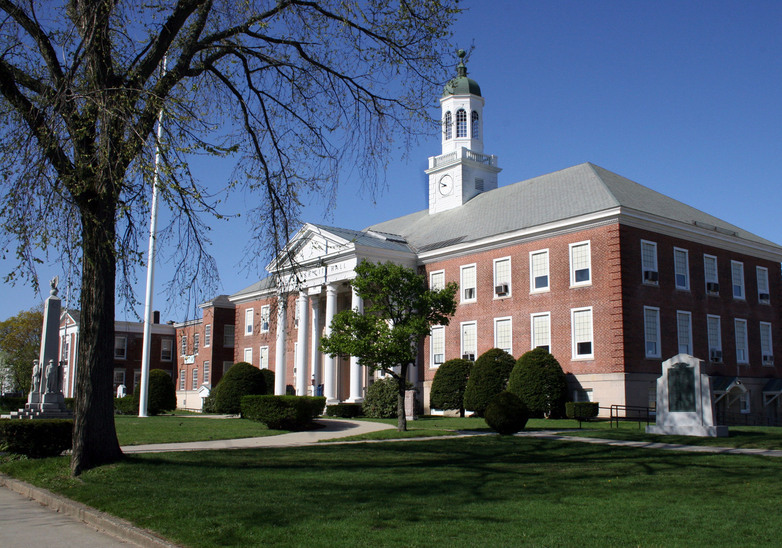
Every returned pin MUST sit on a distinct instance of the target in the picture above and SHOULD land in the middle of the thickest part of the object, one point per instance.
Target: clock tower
(462, 170)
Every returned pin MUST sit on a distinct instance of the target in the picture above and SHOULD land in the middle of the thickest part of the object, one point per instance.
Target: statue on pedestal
(52, 378)
(35, 387)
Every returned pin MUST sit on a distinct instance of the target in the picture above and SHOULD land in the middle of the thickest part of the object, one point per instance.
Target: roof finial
(461, 68)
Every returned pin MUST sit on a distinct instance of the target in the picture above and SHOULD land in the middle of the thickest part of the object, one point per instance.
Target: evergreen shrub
(36, 438)
(582, 410)
(488, 377)
(538, 379)
(242, 379)
(127, 405)
(381, 399)
(162, 393)
(12, 403)
(268, 378)
(344, 410)
(506, 414)
(449, 384)
(281, 412)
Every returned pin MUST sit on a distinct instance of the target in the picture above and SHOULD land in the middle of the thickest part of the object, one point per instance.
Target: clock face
(445, 185)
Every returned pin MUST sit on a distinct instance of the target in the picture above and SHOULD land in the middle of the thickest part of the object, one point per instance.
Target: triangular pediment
(311, 244)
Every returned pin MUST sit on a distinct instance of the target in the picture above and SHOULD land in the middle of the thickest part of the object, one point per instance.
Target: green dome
(461, 85)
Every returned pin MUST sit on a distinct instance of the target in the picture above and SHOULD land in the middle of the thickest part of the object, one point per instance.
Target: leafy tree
(538, 380)
(449, 384)
(399, 312)
(489, 377)
(20, 343)
(293, 90)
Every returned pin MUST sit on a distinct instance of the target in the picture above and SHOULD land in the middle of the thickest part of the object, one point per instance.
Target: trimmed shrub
(539, 381)
(162, 393)
(449, 384)
(506, 414)
(381, 399)
(488, 377)
(126, 406)
(242, 379)
(344, 410)
(582, 410)
(279, 412)
(317, 405)
(12, 403)
(36, 438)
(268, 378)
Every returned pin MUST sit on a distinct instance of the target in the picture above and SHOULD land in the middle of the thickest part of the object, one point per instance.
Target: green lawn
(132, 430)
(481, 491)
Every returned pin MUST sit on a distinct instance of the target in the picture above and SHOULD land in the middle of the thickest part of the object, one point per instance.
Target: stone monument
(684, 400)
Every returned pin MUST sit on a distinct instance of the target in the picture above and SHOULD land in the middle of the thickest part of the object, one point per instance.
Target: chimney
(156, 316)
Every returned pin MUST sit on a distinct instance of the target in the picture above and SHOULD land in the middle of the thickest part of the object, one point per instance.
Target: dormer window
(461, 123)
(448, 125)
(475, 132)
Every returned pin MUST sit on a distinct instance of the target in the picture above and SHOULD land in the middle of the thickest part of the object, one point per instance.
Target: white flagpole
(144, 388)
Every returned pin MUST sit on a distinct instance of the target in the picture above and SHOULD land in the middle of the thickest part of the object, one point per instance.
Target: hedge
(381, 401)
(36, 438)
(344, 410)
(582, 410)
(283, 412)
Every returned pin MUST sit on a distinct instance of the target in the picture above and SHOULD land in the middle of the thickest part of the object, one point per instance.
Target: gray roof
(262, 285)
(368, 238)
(580, 190)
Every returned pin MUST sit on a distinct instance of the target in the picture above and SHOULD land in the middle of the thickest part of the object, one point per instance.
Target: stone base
(41, 411)
(689, 430)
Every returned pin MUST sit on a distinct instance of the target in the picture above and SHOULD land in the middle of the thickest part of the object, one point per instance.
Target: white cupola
(462, 170)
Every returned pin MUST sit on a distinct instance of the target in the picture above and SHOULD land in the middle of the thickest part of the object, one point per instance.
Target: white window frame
(248, 355)
(119, 376)
(465, 289)
(744, 405)
(229, 336)
(742, 343)
(122, 348)
(182, 373)
(575, 339)
(468, 330)
(684, 327)
(183, 346)
(266, 315)
(196, 342)
(737, 267)
(194, 385)
(649, 279)
(764, 292)
(766, 344)
(533, 320)
(166, 350)
(500, 280)
(497, 342)
(679, 255)
(249, 319)
(207, 335)
(715, 279)
(207, 371)
(543, 254)
(652, 313)
(263, 357)
(713, 321)
(435, 283)
(436, 338)
(571, 248)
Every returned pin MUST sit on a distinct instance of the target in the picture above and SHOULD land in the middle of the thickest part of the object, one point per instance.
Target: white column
(301, 358)
(329, 365)
(315, 342)
(356, 396)
(279, 353)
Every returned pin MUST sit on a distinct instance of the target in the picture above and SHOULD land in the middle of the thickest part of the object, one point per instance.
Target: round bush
(488, 377)
(506, 414)
(242, 379)
(381, 399)
(161, 395)
(449, 384)
(538, 380)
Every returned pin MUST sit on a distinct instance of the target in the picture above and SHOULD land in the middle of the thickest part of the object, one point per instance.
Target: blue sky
(680, 96)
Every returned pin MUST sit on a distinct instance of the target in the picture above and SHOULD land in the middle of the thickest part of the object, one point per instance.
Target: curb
(113, 526)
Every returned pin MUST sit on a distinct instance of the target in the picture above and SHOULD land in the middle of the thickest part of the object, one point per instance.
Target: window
(120, 348)
(541, 331)
(538, 266)
(744, 402)
(194, 386)
(248, 321)
(182, 379)
(583, 394)
(502, 277)
(226, 366)
(652, 331)
(448, 123)
(737, 274)
(183, 346)
(264, 357)
(741, 341)
(684, 331)
(438, 346)
(207, 335)
(119, 376)
(503, 334)
(228, 336)
(207, 372)
(475, 131)
(248, 355)
(196, 342)
(715, 338)
(468, 283)
(469, 340)
(580, 264)
(437, 280)
(166, 350)
(681, 268)
(461, 123)
(764, 295)
(710, 273)
(136, 379)
(649, 262)
(766, 350)
(265, 315)
(581, 325)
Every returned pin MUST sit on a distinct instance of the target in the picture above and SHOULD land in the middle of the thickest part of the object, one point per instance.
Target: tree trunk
(94, 436)
(401, 424)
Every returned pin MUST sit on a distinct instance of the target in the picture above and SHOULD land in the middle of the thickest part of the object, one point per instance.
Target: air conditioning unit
(715, 356)
(438, 358)
(470, 357)
(501, 290)
(469, 293)
(764, 297)
(712, 287)
(768, 359)
(651, 276)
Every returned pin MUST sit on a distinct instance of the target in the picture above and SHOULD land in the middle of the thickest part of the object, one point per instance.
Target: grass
(486, 490)
(132, 430)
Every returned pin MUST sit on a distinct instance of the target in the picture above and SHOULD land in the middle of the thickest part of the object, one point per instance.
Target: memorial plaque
(681, 388)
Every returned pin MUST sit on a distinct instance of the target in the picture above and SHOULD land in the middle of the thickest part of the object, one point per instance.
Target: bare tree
(297, 90)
